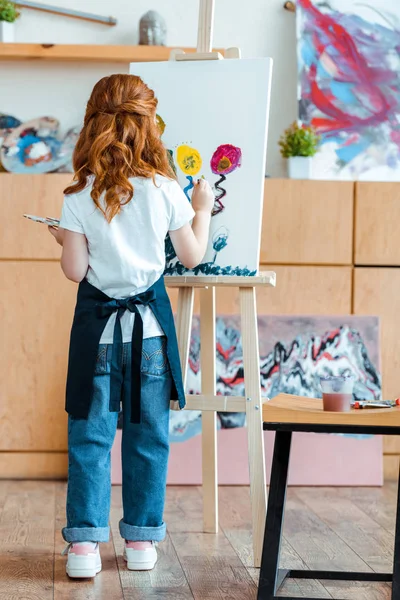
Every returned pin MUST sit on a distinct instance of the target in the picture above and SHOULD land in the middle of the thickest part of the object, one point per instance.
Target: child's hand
(202, 197)
(57, 233)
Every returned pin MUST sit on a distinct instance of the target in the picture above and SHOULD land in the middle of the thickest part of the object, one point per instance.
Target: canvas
(213, 119)
(349, 86)
(35, 146)
(294, 352)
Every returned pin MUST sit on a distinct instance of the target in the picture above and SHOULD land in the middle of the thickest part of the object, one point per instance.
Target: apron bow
(120, 305)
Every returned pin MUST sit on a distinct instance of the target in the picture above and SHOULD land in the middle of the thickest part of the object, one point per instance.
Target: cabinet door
(40, 195)
(377, 224)
(36, 307)
(376, 292)
(307, 222)
(299, 290)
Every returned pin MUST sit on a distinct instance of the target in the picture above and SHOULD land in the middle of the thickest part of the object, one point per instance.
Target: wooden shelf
(85, 52)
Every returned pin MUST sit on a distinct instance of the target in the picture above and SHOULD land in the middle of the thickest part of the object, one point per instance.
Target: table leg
(275, 513)
(396, 562)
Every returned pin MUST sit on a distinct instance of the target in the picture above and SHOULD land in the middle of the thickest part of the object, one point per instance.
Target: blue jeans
(145, 449)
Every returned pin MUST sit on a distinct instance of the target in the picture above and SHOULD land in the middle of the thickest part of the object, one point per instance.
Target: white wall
(259, 27)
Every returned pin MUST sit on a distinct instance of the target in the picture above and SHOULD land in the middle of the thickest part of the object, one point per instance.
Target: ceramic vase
(300, 167)
(7, 32)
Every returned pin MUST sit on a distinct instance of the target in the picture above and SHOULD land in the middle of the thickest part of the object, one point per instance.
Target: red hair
(119, 139)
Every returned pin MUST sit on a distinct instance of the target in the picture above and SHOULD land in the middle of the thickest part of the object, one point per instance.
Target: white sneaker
(140, 556)
(83, 559)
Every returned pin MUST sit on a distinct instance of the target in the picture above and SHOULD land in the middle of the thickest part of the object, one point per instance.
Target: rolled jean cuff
(86, 534)
(142, 534)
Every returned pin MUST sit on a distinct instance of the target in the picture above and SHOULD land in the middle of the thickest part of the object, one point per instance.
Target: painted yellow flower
(189, 159)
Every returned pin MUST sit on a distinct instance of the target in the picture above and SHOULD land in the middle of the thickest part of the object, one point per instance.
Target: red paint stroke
(232, 380)
(340, 120)
(194, 366)
(395, 136)
(318, 351)
(226, 354)
(275, 369)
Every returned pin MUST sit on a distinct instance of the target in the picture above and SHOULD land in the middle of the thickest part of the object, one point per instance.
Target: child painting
(117, 212)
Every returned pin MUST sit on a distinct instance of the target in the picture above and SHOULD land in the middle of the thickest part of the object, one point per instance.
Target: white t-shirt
(127, 256)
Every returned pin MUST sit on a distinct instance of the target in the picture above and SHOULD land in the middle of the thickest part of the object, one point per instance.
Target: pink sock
(138, 545)
(83, 548)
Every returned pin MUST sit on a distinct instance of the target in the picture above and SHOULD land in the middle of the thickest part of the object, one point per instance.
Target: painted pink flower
(226, 159)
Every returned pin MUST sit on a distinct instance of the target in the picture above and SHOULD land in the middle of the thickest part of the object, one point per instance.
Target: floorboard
(27, 524)
(325, 528)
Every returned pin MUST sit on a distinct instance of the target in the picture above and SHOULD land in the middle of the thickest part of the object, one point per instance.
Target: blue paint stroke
(343, 91)
(188, 187)
(348, 153)
(220, 241)
(209, 268)
(169, 250)
(308, 53)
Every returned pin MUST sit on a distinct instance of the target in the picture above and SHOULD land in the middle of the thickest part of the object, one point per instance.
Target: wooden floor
(324, 529)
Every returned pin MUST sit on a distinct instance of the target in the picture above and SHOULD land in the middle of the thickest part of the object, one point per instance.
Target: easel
(208, 402)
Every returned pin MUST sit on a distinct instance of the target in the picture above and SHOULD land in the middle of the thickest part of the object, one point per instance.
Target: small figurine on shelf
(153, 29)
(8, 14)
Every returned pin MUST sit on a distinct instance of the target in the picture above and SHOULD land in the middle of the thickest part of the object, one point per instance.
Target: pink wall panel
(324, 460)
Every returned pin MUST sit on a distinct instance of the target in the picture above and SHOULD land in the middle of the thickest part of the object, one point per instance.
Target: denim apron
(92, 311)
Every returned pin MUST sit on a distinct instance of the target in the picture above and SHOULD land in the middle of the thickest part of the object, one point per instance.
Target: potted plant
(298, 144)
(8, 14)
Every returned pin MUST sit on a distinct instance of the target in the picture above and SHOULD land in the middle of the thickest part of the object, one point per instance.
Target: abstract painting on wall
(349, 86)
(213, 118)
(294, 353)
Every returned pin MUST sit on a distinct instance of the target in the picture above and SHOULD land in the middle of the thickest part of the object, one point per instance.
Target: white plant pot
(7, 32)
(300, 167)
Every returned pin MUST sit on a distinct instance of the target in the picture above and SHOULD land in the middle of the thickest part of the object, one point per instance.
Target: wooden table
(286, 414)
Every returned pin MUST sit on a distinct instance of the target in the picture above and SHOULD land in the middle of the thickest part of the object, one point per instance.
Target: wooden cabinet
(36, 308)
(307, 222)
(299, 290)
(33, 465)
(40, 195)
(36, 304)
(377, 224)
(377, 292)
(308, 290)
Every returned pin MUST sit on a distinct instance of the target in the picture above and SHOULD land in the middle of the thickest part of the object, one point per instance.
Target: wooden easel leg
(209, 418)
(251, 363)
(206, 24)
(184, 326)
